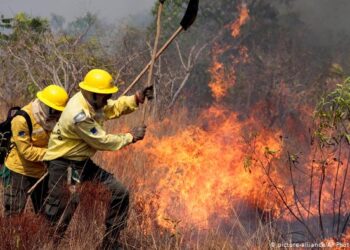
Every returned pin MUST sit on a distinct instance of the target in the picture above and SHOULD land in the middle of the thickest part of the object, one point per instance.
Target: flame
(200, 172)
(203, 166)
(242, 19)
(203, 170)
(222, 78)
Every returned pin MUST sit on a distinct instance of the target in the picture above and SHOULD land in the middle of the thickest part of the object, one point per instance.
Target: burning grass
(215, 181)
(144, 229)
(192, 184)
(191, 187)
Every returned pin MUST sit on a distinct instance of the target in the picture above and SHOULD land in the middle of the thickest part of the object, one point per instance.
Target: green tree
(333, 116)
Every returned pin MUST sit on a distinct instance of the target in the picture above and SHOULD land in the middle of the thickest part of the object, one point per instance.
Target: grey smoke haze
(109, 10)
(325, 14)
(319, 14)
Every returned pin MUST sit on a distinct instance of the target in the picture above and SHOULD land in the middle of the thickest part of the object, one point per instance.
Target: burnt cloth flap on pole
(190, 15)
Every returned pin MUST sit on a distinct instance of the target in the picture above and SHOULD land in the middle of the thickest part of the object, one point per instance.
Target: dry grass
(87, 227)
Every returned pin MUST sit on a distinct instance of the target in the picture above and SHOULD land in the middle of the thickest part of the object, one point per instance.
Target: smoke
(325, 15)
(108, 10)
(327, 21)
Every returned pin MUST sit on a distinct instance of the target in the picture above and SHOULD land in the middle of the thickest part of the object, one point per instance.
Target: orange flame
(222, 78)
(242, 19)
(200, 172)
(203, 168)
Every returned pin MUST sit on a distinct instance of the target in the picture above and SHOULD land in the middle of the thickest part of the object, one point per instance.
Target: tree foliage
(333, 115)
(23, 23)
(33, 56)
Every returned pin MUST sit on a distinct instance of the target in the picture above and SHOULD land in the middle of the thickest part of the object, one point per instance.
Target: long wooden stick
(160, 52)
(37, 183)
(154, 55)
(187, 20)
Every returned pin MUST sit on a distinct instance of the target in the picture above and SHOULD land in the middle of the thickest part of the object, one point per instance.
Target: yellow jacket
(28, 152)
(79, 132)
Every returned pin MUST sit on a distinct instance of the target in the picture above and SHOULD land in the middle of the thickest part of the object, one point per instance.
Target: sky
(109, 10)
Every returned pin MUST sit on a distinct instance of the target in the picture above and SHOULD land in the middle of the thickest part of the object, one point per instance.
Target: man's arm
(94, 135)
(123, 105)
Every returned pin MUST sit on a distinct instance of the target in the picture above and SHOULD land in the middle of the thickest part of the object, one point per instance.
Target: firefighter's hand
(138, 133)
(147, 92)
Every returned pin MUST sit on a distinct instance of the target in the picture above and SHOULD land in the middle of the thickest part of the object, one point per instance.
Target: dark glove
(141, 95)
(138, 133)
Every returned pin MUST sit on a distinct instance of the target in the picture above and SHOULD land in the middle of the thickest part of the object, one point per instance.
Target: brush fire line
(202, 177)
(200, 172)
(200, 182)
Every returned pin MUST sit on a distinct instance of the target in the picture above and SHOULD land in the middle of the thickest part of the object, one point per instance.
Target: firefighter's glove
(141, 95)
(138, 133)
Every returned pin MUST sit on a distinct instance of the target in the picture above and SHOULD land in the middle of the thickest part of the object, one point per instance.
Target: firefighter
(76, 137)
(30, 135)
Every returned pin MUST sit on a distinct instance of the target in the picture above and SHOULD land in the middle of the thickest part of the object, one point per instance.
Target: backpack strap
(28, 120)
(10, 115)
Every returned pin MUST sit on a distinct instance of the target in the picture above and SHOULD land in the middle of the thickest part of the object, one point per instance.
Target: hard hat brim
(112, 90)
(47, 102)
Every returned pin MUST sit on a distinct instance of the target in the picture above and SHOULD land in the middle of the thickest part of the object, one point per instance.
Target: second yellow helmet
(53, 96)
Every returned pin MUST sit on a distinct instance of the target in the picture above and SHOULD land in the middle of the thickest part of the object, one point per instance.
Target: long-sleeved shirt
(28, 152)
(79, 132)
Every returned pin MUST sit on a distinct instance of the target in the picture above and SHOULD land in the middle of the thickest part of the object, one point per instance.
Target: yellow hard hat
(98, 81)
(53, 96)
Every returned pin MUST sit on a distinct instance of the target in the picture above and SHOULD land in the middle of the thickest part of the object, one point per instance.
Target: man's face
(100, 100)
(51, 114)
(97, 101)
(54, 114)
